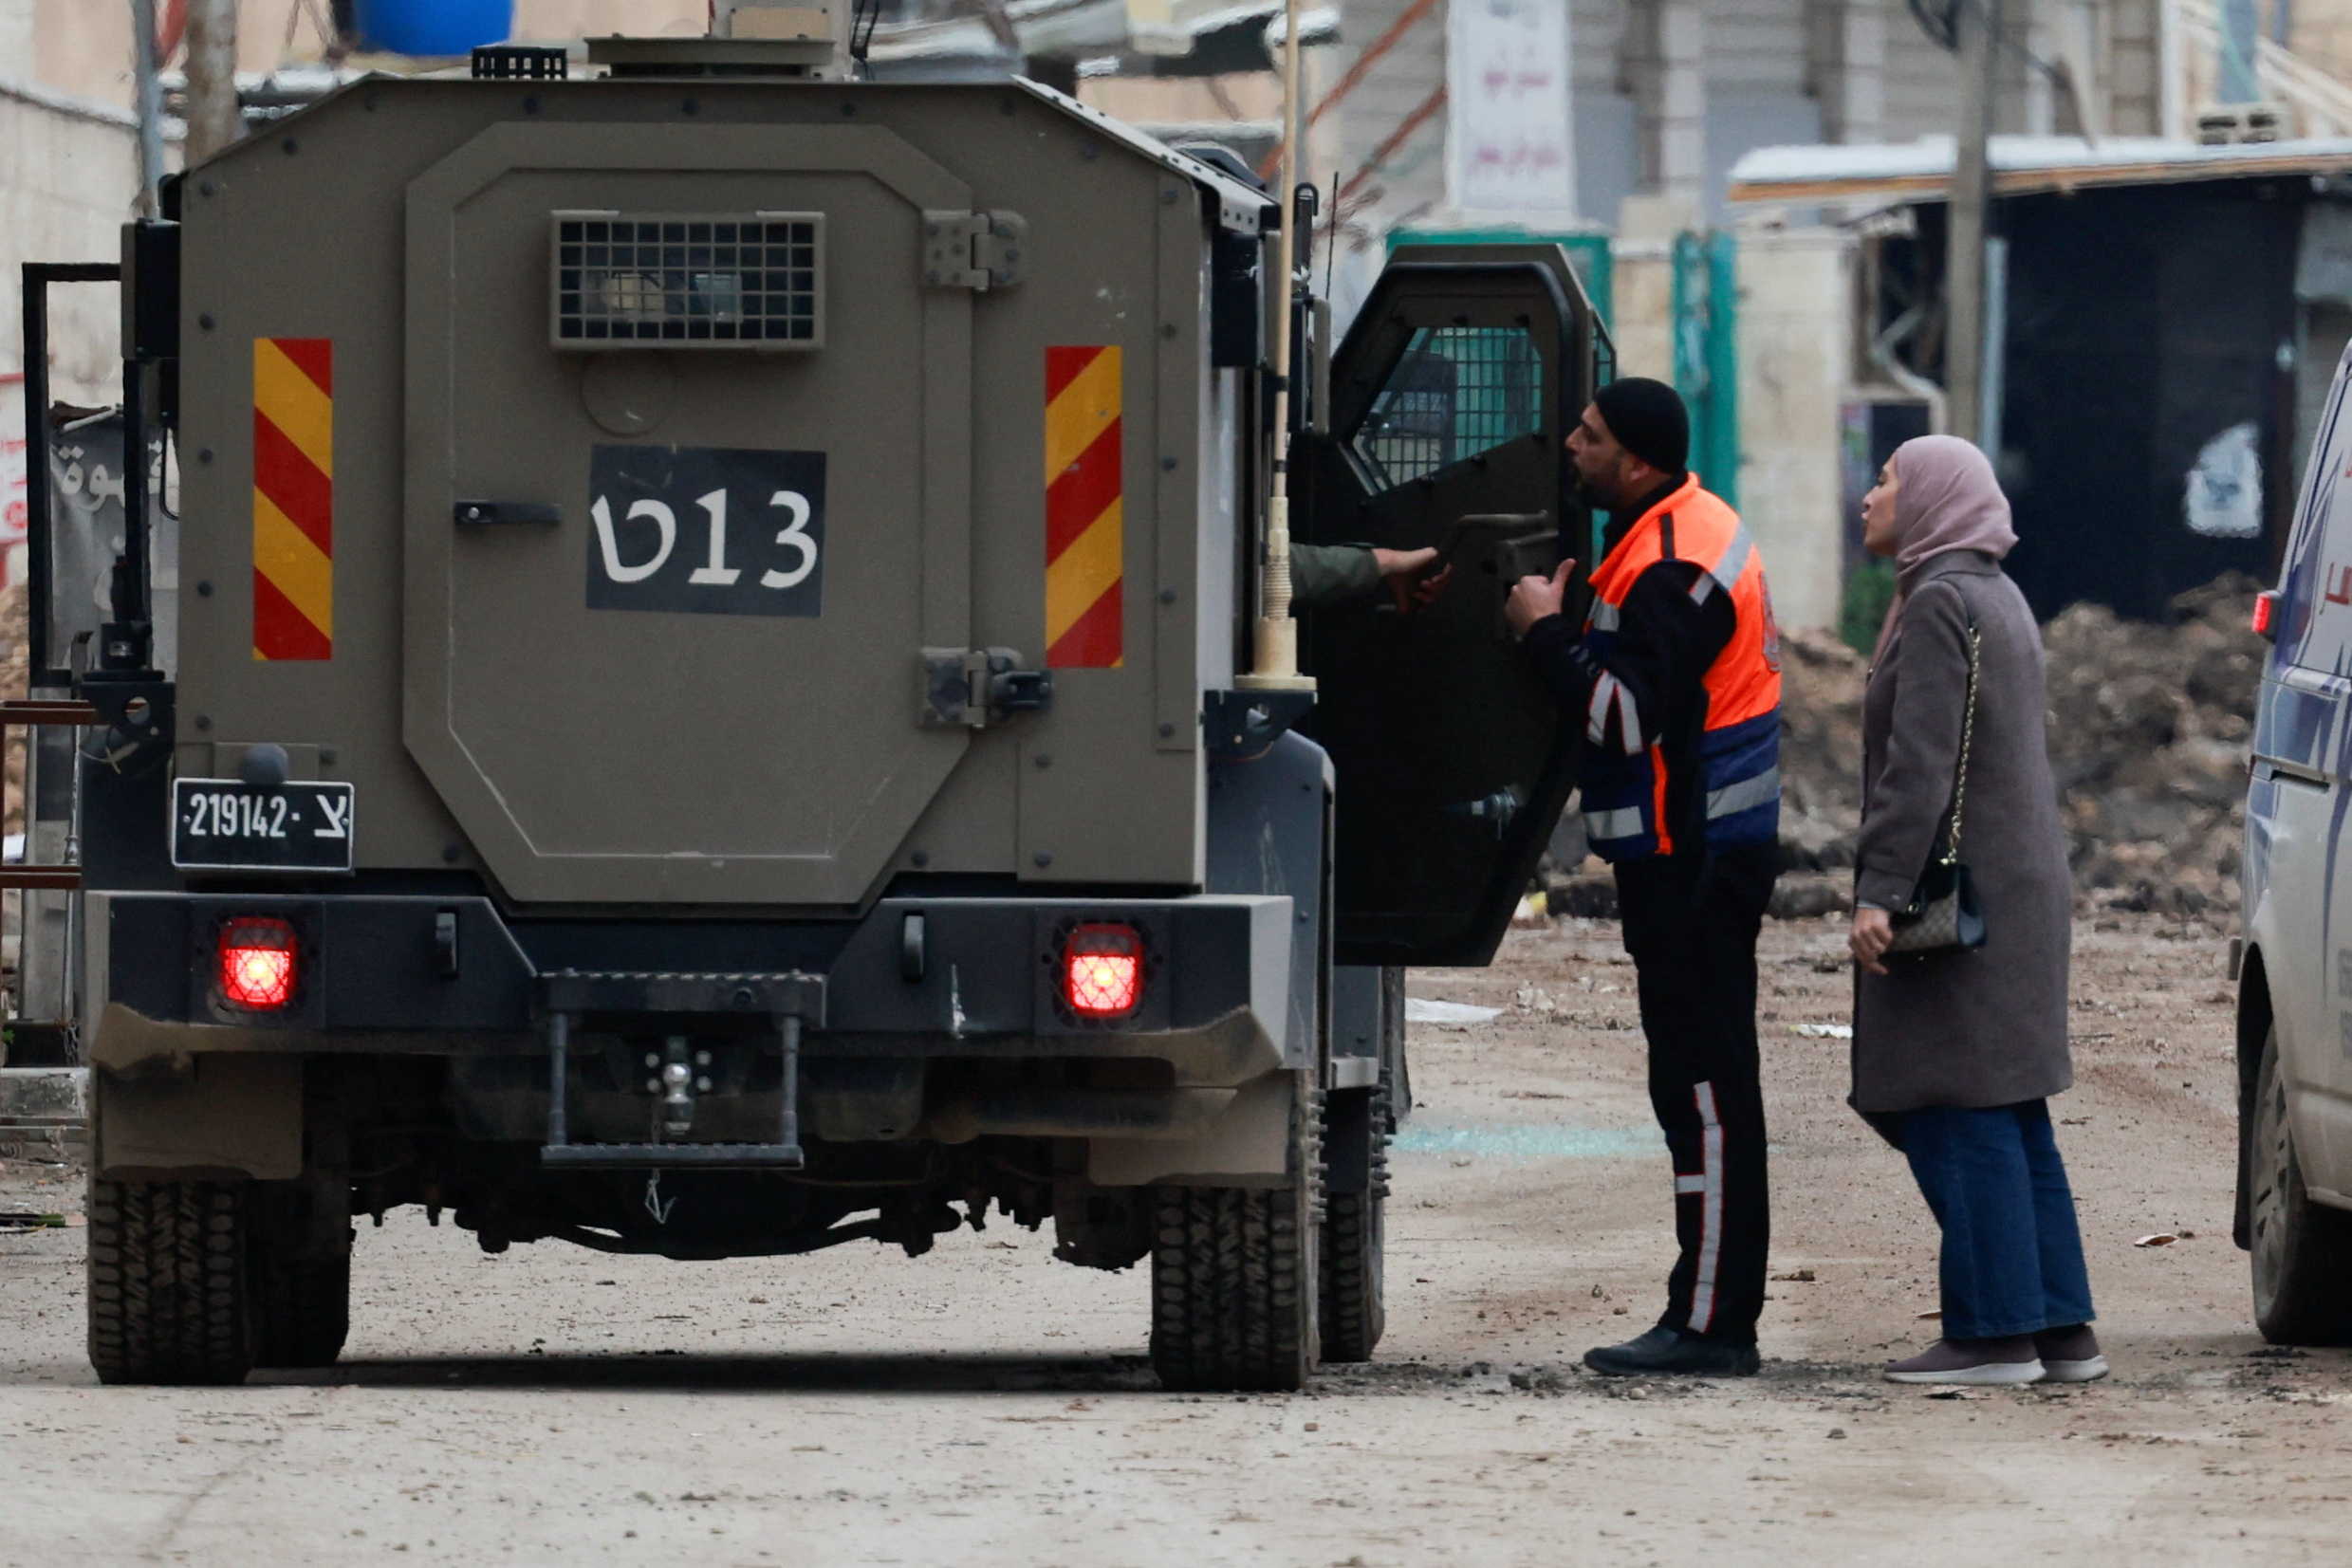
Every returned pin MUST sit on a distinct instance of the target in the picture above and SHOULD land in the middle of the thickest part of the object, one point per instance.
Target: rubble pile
(2148, 728)
(2148, 734)
(1821, 752)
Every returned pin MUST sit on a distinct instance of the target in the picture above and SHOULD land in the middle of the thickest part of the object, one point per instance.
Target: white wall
(67, 174)
(1608, 157)
(17, 47)
(1795, 356)
(1413, 181)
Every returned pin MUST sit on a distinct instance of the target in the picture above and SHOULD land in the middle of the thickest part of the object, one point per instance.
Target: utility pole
(214, 118)
(149, 94)
(1977, 23)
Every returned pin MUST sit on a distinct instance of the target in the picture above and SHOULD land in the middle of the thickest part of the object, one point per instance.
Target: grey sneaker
(1971, 1361)
(2070, 1354)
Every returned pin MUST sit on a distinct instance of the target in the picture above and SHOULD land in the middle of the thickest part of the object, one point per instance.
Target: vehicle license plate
(226, 824)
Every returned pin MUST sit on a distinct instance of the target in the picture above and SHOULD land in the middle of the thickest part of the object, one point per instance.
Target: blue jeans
(2013, 1258)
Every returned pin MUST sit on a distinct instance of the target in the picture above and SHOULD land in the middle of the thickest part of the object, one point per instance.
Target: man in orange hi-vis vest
(1673, 681)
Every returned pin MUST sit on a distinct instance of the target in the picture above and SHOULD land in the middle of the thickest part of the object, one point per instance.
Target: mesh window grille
(675, 280)
(1458, 391)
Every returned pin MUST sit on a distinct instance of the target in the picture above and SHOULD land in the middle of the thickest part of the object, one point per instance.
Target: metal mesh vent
(680, 280)
(1458, 392)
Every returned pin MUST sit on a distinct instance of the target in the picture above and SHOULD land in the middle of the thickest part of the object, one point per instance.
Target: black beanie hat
(1648, 420)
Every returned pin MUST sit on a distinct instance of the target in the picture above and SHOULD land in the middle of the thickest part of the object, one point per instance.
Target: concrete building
(1630, 116)
(83, 47)
(1667, 94)
(2171, 318)
(1754, 315)
(68, 169)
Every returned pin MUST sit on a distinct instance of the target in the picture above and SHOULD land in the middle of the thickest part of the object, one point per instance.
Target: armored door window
(1449, 403)
(1456, 392)
(753, 279)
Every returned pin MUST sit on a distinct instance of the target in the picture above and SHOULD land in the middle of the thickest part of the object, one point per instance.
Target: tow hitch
(789, 1001)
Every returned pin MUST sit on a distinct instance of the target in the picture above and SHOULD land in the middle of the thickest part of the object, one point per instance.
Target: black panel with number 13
(709, 530)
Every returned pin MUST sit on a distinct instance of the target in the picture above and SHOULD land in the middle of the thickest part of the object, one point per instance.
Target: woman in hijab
(1956, 1051)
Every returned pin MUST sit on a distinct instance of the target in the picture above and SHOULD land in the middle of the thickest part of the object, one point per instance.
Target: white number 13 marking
(717, 574)
(795, 534)
(714, 572)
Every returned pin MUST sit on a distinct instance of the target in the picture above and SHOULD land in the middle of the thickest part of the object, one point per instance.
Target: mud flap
(223, 1115)
(1247, 1146)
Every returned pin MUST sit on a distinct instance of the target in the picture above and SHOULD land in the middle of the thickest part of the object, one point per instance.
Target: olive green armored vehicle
(700, 707)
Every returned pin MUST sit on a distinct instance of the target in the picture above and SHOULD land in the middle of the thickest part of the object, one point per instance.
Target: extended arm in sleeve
(1666, 640)
(1912, 793)
(1332, 574)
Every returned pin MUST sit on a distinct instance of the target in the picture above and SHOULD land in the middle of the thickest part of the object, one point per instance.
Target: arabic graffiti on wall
(12, 503)
(2224, 495)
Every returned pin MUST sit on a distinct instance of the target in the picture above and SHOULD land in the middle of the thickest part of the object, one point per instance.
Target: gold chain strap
(1967, 734)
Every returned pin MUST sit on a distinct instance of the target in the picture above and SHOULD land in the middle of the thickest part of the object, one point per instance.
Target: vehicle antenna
(1276, 644)
(1331, 238)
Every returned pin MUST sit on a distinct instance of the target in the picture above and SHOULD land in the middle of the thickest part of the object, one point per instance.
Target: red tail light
(1103, 970)
(257, 958)
(2267, 614)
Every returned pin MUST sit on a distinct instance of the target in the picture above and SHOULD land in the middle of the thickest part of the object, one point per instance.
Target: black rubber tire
(1353, 1316)
(298, 1280)
(1233, 1270)
(302, 1309)
(166, 1283)
(1232, 1309)
(2302, 1252)
(1355, 1229)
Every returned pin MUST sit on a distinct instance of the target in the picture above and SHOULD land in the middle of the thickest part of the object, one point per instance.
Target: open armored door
(1450, 400)
(687, 498)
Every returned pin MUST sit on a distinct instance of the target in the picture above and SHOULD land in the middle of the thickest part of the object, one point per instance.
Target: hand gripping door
(687, 493)
(1450, 400)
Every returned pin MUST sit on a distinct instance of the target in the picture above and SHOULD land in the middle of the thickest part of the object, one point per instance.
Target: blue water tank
(432, 27)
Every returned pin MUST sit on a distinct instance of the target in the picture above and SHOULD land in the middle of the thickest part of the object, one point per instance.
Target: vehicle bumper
(980, 981)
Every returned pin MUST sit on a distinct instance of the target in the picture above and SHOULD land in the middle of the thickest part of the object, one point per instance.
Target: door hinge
(974, 251)
(979, 687)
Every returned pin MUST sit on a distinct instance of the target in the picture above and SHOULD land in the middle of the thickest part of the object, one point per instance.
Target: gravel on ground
(985, 1406)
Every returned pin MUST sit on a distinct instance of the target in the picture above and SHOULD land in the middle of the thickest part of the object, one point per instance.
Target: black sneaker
(1672, 1352)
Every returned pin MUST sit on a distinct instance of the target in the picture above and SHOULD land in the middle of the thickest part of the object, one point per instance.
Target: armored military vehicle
(704, 715)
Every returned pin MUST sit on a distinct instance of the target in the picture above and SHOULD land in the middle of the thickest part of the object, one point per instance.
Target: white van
(2294, 967)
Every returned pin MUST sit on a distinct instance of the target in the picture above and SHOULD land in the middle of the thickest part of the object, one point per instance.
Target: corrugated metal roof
(2021, 165)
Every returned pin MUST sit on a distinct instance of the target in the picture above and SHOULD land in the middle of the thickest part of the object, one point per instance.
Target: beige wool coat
(1978, 1029)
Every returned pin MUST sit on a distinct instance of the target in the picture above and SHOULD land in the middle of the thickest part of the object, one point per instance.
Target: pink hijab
(1948, 500)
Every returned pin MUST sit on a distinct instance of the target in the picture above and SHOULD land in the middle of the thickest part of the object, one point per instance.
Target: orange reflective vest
(1624, 783)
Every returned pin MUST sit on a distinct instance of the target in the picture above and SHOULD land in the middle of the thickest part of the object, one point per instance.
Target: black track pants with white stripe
(1692, 933)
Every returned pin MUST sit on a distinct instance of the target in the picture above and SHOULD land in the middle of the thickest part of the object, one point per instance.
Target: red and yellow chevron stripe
(293, 498)
(1085, 539)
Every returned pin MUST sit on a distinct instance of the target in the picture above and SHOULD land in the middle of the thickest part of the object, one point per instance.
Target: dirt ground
(985, 1406)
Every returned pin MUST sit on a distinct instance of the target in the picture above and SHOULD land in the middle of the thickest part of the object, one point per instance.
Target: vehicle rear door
(1450, 400)
(688, 492)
